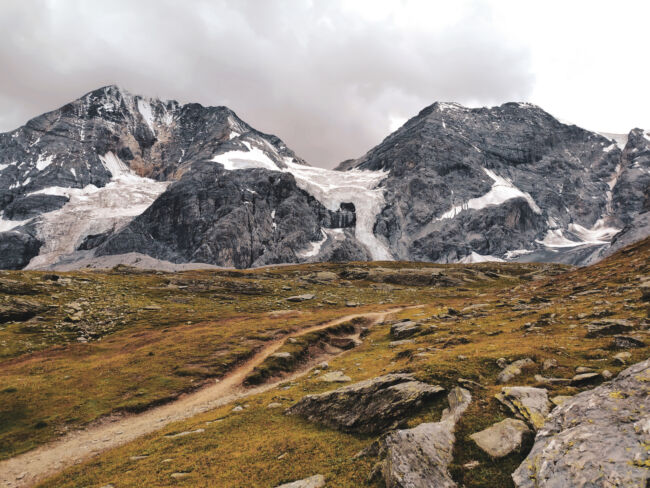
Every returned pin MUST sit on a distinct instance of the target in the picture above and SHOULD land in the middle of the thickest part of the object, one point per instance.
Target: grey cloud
(313, 73)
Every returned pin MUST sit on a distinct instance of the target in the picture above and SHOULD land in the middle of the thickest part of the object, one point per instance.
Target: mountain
(508, 182)
(75, 178)
(112, 174)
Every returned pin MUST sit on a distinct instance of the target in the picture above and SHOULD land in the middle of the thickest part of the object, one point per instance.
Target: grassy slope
(260, 446)
(153, 336)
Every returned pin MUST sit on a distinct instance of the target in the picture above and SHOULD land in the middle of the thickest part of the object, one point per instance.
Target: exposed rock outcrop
(598, 438)
(419, 457)
(370, 406)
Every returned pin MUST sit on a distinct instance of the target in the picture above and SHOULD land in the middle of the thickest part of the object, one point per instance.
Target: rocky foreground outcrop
(370, 406)
(419, 457)
(598, 438)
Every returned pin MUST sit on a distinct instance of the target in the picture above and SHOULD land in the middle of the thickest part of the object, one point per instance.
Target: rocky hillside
(113, 174)
(328, 374)
(508, 182)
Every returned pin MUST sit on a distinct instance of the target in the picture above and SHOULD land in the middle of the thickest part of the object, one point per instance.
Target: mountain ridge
(114, 173)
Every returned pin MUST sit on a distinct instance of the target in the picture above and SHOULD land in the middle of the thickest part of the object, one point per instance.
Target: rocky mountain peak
(113, 173)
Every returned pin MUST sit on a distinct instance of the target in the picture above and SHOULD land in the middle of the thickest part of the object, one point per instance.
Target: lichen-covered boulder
(528, 403)
(598, 438)
(369, 406)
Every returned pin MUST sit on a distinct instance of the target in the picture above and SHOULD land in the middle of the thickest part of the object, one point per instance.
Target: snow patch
(450, 106)
(555, 238)
(600, 233)
(144, 107)
(91, 210)
(610, 147)
(44, 161)
(335, 234)
(502, 190)
(475, 257)
(7, 225)
(254, 158)
(517, 252)
(358, 187)
(314, 247)
(114, 165)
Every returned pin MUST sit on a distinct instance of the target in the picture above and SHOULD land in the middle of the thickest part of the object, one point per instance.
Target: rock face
(232, 218)
(370, 406)
(112, 174)
(419, 457)
(596, 438)
(528, 403)
(475, 184)
(503, 437)
(72, 181)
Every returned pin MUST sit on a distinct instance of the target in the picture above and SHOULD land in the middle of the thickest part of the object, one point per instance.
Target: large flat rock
(369, 406)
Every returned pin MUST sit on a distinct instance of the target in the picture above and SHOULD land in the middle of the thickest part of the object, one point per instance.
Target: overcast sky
(332, 78)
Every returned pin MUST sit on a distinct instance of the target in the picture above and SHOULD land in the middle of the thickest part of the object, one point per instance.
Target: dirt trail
(33, 466)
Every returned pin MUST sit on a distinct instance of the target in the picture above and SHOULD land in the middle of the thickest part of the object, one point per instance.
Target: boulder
(626, 342)
(403, 330)
(549, 363)
(597, 438)
(343, 342)
(369, 406)
(581, 379)
(20, 309)
(551, 381)
(335, 377)
(419, 457)
(513, 369)
(503, 438)
(301, 298)
(528, 403)
(622, 358)
(316, 481)
(608, 327)
(325, 276)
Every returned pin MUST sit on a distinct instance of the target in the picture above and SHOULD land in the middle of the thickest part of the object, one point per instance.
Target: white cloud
(331, 77)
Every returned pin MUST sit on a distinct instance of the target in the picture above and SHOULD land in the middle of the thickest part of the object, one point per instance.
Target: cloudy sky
(332, 77)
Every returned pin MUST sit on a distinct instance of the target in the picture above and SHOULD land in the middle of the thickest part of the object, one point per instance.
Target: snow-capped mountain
(72, 181)
(113, 174)
(508, 182)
